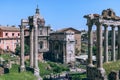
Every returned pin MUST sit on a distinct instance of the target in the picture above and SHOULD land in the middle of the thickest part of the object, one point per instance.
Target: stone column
(36, 68)
(113, 43)
(90, 45)
(118, 42)
(105, 43)
(31, 46)
(99, 47)
(22, 65)
(118, 57)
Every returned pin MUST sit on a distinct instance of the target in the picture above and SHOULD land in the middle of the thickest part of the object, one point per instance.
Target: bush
(26, 51)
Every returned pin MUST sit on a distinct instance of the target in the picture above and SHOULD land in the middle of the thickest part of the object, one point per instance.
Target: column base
(36, 71)
(94, 73)
(39, 78)
(101, 74)
(22, 68)
(90, 65)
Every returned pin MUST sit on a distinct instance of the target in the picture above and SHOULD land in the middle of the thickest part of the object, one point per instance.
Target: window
(41, 45)
(12, 34)
(6, 34)
(7, 47)
(18, 34)
(40, 29)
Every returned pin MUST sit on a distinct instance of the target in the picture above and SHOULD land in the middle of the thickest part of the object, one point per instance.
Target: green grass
(46, 68)
(5, 56)
(15, 75)
(51, 67)
(111, 66)
(43, 69)
(78, 76)
(18, 76)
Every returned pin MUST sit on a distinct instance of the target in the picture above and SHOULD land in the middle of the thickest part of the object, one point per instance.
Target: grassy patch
(5, 56)
(51, 67)
(78, 76)
(111, 66)
(44, 69)
(15, 75)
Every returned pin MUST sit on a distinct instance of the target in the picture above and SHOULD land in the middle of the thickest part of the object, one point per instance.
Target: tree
(26, 51)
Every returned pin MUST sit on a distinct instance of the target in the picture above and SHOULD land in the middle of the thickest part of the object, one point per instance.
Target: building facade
(63, 44)
(9, 38)
(43, 34)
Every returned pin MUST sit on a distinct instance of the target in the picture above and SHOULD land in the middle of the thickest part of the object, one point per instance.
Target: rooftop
(9, 28)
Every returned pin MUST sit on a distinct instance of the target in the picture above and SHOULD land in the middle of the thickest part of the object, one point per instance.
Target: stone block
(114, 75)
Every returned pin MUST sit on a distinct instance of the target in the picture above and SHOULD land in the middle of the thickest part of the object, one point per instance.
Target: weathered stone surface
(113, 75)
(1, 70)
(95, 74)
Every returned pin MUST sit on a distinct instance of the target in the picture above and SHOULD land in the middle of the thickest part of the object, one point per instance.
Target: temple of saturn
(107, 19)
(33, 22)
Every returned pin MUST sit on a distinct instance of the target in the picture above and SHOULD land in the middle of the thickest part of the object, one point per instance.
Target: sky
(57, 13)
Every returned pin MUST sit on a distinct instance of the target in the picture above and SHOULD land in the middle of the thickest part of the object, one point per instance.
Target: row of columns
(99, 44)
(33, 48)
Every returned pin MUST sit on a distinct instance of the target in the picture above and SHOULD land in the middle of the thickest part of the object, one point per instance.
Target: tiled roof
(9, 28)
(65, 29)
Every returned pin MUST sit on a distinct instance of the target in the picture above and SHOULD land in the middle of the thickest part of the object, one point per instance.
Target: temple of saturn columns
(107, 19)
(33, 22)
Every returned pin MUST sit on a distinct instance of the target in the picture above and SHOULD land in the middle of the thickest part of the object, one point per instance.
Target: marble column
(99, 47)
(31, 46)
(118, 42)
(22, 65)
(36, 68)
(90, 45)
(113, 43)
(105, 43)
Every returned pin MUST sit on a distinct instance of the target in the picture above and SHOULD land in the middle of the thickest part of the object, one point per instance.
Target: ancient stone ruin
(107, 19)
(33, 22)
